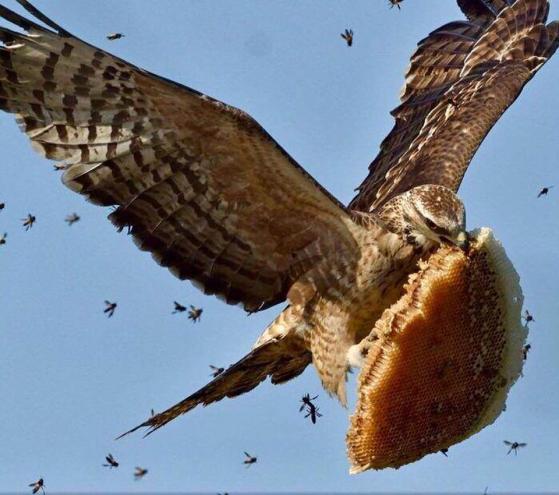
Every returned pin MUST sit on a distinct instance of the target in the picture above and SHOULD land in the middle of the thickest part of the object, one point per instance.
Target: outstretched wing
(198, 183)
(462, 78)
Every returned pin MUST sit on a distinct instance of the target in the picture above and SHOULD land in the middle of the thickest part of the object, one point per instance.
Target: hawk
(206, 190)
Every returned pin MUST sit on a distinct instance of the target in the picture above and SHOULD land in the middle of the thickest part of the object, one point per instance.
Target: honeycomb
(445, 356)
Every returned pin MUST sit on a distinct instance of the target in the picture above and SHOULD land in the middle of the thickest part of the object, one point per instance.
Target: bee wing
(506, 442)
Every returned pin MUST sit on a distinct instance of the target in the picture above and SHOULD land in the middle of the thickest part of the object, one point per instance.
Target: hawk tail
(281, 358)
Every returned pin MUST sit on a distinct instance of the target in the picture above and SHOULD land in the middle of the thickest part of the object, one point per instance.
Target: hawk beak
(463, 241)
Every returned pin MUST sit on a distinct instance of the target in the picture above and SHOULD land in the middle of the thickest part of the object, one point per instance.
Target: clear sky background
(71, 379)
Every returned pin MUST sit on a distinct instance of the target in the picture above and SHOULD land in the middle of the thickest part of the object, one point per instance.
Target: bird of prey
(72, 219)
(139, 473)
(115, 36)
(544, 191)
(249, 459)
(110, 308)
(195, 313)
(29, 221)
(347, 35)
(38, 485)
(213, 197)
(514, 446)
(111, 462)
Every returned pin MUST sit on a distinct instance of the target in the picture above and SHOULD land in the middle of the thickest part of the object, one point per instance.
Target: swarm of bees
(109, 308)
(195, 314)
(347, 35)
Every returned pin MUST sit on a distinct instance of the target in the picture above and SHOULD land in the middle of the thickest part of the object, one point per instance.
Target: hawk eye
(432, 225)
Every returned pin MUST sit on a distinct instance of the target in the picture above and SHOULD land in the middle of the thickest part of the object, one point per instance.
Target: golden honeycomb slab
(445, 357)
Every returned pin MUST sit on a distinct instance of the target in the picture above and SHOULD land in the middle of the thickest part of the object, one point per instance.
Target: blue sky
(73, 379)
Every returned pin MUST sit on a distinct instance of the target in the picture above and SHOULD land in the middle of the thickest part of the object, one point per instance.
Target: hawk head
(428, 214)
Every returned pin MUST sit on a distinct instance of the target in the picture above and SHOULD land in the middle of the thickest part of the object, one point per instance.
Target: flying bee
(395, 3)
(72, 219)
(3, 239)
(179, 308)
(444, 452)
(249, 459)
(347, 35)
(312, 410)
(38, 485)
(2, 206)
(313, 413)
(28, 221)
(59, 166)
(525, 351)
(194, 313)
(544, 191)
(216, 371)
(111, 462)
(514, 446)
(527, 317)
(139, 473)
(307, 401)
(115, 36)
(110, 308)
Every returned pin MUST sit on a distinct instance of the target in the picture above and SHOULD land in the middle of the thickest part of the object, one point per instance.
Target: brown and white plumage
(165, 154)
(461, 79)
(212, 196)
